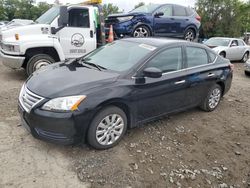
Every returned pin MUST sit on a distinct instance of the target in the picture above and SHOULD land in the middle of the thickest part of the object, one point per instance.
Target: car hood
(62, 79)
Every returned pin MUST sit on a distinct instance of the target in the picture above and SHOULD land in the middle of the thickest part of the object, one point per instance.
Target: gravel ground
(189, 149)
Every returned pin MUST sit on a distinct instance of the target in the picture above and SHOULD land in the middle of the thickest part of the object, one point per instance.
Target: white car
(231, 48)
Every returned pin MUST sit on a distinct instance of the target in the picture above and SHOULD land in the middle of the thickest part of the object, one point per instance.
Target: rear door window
(179, 11)
(196, 57)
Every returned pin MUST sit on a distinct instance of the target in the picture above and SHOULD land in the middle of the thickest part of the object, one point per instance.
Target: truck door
(79, 37)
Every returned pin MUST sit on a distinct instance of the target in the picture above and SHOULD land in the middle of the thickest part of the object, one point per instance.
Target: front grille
(111, 21)
(28, 99)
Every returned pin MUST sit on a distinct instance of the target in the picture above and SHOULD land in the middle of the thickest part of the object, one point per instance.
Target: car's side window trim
(184, 61)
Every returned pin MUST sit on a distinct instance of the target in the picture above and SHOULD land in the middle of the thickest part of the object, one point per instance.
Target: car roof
(160, 42)
(227, 38)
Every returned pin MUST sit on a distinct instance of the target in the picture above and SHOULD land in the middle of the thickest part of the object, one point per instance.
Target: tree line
(22, 9)
(219, 17)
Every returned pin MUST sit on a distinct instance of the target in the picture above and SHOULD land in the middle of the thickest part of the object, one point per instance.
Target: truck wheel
(38, 61)
(107, 128)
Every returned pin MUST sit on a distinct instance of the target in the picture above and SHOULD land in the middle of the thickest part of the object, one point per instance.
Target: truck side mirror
(64, 17)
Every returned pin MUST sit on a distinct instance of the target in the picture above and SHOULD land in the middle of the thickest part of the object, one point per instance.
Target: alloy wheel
(214, 98)
(141, 32)
(245, 57)
(110, 129)
(189, 35)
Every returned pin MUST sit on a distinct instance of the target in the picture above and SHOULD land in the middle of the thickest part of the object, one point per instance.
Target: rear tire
(189, 35)
(107, 128)
(245, 57)
(212, 100)
(38, 61)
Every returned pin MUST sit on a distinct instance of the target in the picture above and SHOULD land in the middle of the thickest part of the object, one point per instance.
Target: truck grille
(28, 99)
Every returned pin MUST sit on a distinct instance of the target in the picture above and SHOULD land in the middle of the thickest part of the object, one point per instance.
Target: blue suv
(168, 20)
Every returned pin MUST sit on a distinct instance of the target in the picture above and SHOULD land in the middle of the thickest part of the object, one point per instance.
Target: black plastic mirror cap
(159, 14)
(152, 72)
(64, 16)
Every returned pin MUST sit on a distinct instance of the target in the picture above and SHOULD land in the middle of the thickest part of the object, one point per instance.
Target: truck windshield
(119, 56)
(146, 8)
(49, 16)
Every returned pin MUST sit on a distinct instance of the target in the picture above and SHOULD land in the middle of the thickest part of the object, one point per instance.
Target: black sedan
(120, 86)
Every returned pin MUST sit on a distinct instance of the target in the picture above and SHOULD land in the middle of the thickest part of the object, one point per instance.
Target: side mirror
(159, 14)
(152, 72)
(64, 17)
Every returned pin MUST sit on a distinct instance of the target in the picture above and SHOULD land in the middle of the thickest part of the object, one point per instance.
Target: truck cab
(63, 32)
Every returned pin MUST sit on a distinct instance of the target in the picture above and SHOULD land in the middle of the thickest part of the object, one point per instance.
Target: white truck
(63, 32)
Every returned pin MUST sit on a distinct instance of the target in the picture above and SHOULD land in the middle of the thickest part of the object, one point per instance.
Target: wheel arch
(142, 24)
(222, 85)
(51, 51)
(120, 104)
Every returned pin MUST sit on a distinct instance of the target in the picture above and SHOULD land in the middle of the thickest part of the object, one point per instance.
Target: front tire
(107, 128)
(141, 32)
(38, 61)
(213, 98)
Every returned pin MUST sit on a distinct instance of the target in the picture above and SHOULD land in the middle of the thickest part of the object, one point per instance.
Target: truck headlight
(125, 18)
(10, 48)
(64, 104)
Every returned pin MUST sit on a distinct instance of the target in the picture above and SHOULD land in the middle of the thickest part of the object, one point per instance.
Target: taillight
(231, 67)
(198, 18)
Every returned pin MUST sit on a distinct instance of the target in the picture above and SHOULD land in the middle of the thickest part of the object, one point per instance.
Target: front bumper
(57, 128)
(14, 62)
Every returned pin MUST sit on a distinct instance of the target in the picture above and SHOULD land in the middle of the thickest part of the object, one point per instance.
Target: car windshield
(146, 8)
(49, 16)
(119, 55)
(217, 42)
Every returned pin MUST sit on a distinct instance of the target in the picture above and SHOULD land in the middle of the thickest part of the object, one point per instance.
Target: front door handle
(91, 33)
(210, 75)
(180, 82)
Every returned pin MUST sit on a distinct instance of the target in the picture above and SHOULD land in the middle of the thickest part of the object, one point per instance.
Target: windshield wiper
(99, 67)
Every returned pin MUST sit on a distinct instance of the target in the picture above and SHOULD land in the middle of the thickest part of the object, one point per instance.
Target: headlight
(10, 48)
(70, 103)
(124, 19)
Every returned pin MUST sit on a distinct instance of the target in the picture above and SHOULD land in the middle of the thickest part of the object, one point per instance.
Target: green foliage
(110, 9)
(223, 17)
(139, 4)
(22, 9)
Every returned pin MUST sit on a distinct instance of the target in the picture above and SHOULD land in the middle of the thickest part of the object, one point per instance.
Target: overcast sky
(128, 5)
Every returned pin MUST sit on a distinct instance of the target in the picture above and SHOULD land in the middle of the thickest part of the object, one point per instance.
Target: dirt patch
(189, 149)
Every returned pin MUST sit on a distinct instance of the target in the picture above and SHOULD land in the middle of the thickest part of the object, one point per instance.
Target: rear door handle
(210, 75)
(180, 82)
